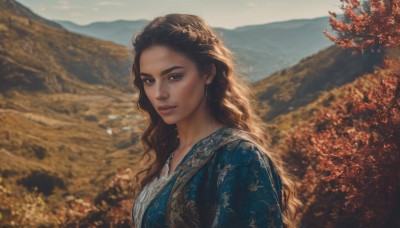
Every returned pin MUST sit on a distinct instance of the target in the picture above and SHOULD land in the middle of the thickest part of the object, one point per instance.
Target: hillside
(260, 49)
(69, 136)
(39, 55)
(292, 88)
(67, 117)
(18, 10)
(344, 148)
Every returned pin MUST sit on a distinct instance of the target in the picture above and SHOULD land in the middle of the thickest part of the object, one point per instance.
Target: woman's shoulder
(247, 157)
(242, 152)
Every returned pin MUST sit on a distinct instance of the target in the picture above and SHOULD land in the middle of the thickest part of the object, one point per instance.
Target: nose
(161, 91)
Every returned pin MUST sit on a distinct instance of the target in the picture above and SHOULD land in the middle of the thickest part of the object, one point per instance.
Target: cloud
(42, 8)
(65, 5)
(110, 4)
(75, 14)
(251, 4)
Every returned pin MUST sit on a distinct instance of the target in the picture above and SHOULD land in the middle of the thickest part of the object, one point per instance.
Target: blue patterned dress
(224, 181)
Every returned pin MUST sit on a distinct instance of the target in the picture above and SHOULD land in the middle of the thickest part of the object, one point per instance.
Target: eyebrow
(164, 72)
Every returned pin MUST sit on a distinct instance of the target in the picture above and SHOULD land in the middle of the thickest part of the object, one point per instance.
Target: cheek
(190, 92)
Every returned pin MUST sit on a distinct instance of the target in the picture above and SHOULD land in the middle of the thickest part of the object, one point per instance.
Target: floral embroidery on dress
(224, 181)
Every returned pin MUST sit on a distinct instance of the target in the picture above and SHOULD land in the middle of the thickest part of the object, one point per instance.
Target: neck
(196, 128)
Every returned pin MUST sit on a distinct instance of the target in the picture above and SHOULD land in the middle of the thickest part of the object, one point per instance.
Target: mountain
(260, 49)
(69, 124)
(39, 55)
(119, 31)
(290, 97)
(67, 116)
(292, 88)
(273, 46)
(20, 11)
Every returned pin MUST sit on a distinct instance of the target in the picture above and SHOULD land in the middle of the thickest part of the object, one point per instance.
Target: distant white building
(127, 128)
(109, 131)
(112, 117)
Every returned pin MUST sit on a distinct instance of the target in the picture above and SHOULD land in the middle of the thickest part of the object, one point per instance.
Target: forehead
(158, 58)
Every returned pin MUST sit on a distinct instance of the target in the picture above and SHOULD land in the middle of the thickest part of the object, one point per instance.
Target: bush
(349, 155)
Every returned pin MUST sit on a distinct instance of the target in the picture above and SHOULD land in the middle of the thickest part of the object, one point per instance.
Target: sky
(217, 13)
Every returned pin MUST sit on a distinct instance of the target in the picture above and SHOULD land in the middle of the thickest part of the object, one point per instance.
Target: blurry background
(70, 129)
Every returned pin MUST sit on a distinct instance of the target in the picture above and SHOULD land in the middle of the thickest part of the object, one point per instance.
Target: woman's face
(172, 83)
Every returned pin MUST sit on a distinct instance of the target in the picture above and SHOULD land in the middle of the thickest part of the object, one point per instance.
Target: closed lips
(165, 107)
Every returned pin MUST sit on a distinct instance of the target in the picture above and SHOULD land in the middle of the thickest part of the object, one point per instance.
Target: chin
(169, 121)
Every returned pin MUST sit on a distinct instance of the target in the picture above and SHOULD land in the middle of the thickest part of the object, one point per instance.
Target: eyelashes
(172, 77)
(147, 81)
(175, 76)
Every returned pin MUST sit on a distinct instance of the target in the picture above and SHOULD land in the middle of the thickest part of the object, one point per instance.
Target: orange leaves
(23, 211)
(75, 210)
(364, 29)
(339, 25)
(352, 151)
(111, 208)
(354, 3)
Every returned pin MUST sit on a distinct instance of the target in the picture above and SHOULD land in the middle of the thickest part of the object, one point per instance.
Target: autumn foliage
(111, 208)
(28, 210)
(372, 24)
(348, 155)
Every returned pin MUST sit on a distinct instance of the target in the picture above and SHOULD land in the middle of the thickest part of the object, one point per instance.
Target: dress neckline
(190, 152)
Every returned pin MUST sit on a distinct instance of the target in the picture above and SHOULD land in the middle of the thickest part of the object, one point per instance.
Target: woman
(207, 164)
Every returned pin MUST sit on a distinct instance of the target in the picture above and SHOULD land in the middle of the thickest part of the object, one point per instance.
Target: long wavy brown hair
(229, 98)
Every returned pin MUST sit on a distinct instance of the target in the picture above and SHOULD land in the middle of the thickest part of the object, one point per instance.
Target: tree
(373, 24)
(348, 154)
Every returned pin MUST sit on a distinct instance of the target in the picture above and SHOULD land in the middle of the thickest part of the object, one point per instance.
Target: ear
(210, 73)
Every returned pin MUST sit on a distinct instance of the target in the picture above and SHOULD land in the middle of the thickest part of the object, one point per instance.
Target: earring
(206, 90)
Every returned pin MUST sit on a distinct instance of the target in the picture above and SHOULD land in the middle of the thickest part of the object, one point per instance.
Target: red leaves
(363, 29)
(354, 3)
(353, 147)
